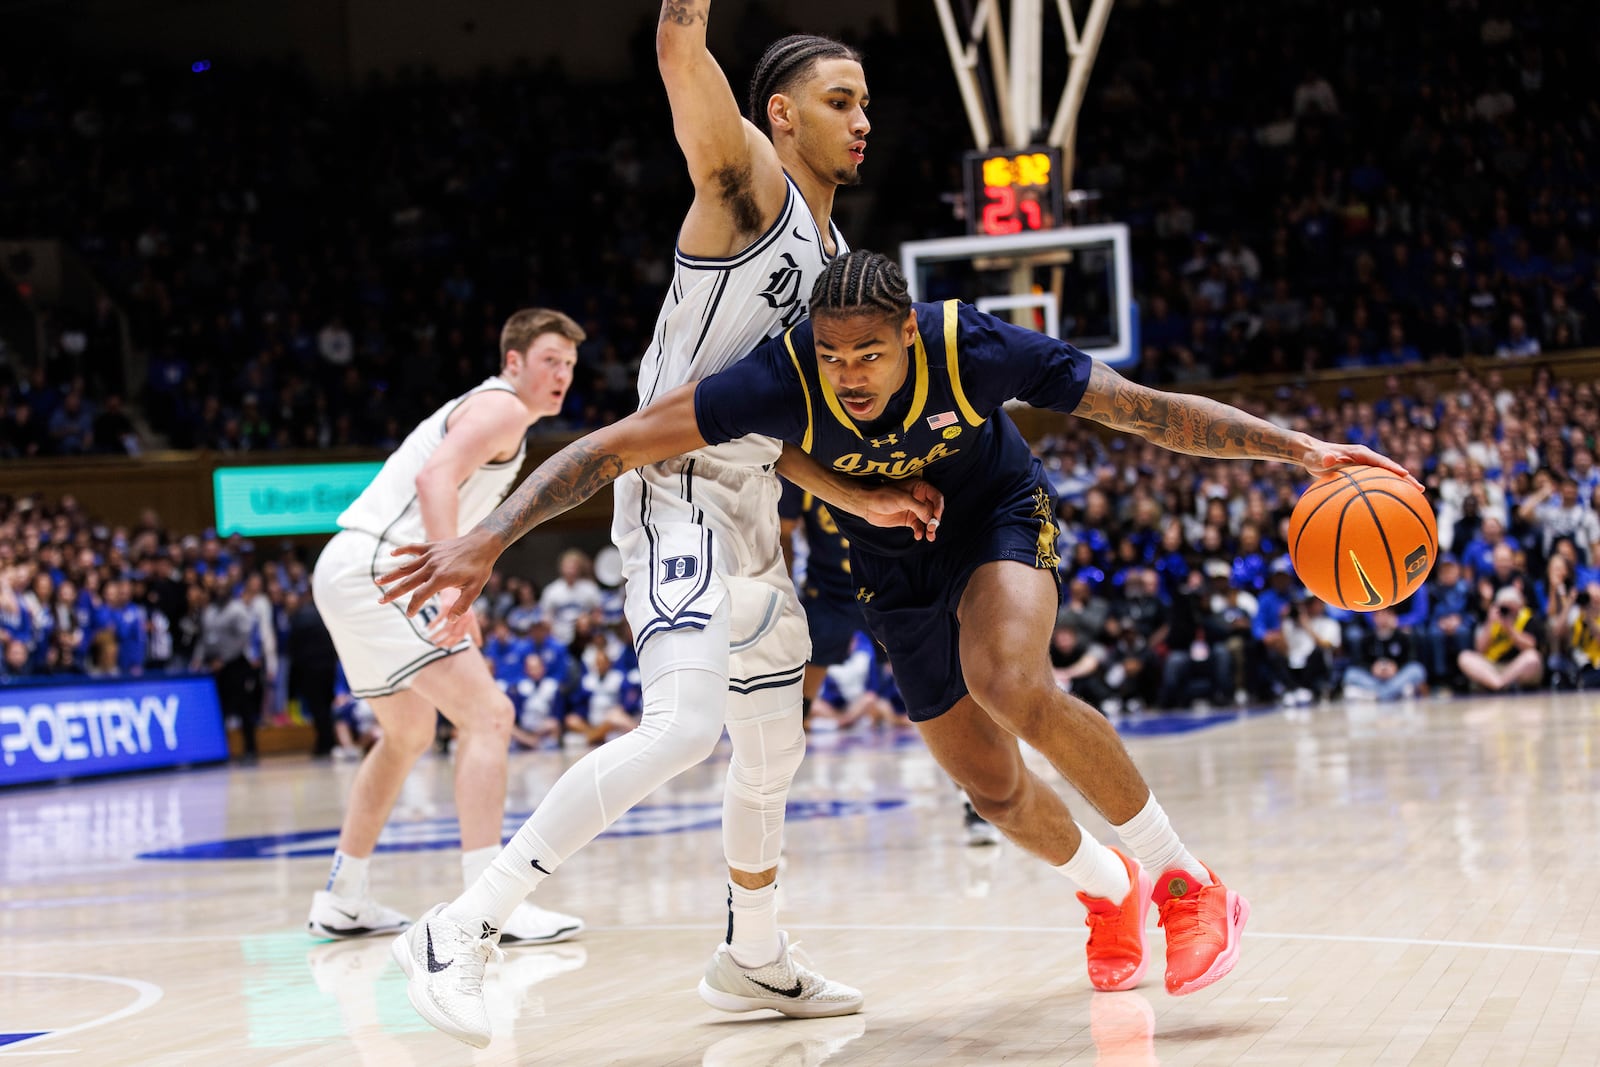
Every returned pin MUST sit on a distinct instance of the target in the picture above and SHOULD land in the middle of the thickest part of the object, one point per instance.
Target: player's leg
(984, 761)
(684, 698)
(463, 690)
(344, 907)
(1009, 606)
(753, 968)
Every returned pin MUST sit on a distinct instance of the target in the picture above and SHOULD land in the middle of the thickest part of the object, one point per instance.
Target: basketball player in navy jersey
(721, 638)
(876, 388)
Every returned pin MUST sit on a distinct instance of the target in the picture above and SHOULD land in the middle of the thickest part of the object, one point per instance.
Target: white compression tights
(686, 701)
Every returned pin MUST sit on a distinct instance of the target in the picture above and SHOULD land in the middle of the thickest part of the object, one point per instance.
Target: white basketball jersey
(716, 312)
(387, 509)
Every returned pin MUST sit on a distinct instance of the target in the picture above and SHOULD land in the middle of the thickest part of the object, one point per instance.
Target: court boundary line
(149, 994)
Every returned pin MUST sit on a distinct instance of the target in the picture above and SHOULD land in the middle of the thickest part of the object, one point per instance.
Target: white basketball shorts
(380, 646)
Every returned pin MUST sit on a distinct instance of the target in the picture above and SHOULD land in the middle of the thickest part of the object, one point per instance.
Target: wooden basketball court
(1422, 879)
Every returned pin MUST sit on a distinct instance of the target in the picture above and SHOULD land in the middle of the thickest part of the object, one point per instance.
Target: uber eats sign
(288, 499)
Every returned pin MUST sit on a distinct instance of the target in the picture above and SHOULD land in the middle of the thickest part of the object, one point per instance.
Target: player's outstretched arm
(665, 429)
(1200, 426)
(738, 180)
(913, 502)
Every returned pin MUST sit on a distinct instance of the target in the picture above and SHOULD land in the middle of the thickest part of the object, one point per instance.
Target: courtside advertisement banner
(302, 499)
(85, 728)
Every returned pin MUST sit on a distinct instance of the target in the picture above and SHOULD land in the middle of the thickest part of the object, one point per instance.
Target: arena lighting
(200, 66)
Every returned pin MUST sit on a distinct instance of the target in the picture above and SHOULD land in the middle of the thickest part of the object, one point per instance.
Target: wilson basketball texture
(1362, 538)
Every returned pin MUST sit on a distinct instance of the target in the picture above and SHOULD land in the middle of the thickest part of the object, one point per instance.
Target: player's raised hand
(913, 503)
(463, 563)
(1325, 456)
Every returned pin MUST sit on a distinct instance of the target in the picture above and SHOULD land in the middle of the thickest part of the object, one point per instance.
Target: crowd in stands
(1177, 588)
(1308, 187)
(80, 598)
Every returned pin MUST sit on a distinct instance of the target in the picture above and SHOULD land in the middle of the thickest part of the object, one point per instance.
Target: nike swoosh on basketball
(1373, 599)
(433, 964)
(795, 992)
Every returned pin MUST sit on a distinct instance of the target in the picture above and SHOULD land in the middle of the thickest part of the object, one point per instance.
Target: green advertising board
(287, 499)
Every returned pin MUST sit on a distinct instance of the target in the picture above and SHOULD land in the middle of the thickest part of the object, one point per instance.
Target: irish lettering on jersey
(945, 424)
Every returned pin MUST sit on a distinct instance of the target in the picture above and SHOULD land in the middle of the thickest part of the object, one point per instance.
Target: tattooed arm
(665, 429)
(1200, 426)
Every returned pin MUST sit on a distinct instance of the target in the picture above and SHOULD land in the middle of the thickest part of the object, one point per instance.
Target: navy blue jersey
(827, 570)
(945, 424)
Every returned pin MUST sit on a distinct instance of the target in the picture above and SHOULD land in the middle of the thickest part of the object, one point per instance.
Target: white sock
(512, 873)
(348, 876)
(1154, 843)
(474, 863)
(753, 925)
(1096, 870)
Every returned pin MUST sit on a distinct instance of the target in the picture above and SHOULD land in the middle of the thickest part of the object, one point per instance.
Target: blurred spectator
(227, 629)
(1388, 667)
(312, 666)
(1509, 647)
(571, 594)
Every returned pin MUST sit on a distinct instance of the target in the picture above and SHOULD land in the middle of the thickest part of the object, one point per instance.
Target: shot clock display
(1013, 190)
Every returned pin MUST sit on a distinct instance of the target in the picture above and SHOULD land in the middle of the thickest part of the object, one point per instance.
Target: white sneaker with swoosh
(783, 985)
(444, 961)
(338, 918)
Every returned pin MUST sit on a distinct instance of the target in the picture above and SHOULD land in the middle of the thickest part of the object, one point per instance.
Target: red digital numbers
(1006, 212)
(1000, 213)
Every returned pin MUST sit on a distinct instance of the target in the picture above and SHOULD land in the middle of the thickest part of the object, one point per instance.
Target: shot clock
(1013, 190)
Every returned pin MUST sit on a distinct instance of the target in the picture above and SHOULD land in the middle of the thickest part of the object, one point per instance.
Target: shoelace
(1098, 921)
(479, 953)
(1180, 917)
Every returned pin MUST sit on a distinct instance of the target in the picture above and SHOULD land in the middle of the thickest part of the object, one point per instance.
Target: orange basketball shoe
(1203, 925)
(1116, 933)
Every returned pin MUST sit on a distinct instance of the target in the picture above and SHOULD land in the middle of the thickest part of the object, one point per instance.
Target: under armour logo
(884, 442)
(865, 595)
(678, 568)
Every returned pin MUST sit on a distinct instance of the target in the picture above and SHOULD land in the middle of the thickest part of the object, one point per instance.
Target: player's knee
(996, 798)
(1017, 697)
(491, 719)
(411, 739)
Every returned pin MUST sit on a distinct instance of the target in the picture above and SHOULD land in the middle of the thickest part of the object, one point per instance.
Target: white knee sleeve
(768, 743)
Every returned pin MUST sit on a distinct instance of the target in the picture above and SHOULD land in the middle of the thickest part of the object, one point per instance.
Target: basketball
(1362, 538)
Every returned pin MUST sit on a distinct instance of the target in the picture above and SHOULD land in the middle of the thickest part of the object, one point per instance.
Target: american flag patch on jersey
(941, 420)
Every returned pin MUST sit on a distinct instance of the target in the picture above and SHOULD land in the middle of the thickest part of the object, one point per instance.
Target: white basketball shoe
(783, 986)
(444, 961)
(533, 925)
(339, 918)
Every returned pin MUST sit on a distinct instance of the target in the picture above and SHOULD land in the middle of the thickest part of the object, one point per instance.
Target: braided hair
(861, 281)
(784, 64)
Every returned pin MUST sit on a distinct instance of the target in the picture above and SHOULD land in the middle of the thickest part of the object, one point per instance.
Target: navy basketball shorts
(834, 622)
(910, 601)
